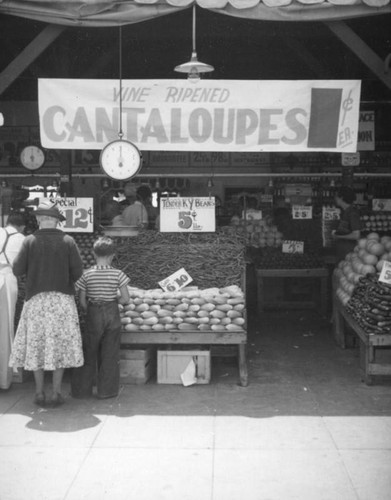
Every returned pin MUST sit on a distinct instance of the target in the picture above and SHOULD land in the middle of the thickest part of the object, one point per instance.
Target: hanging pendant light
(194, 67)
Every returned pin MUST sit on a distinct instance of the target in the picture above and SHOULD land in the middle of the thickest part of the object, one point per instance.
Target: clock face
(120, 160)
(32, 157)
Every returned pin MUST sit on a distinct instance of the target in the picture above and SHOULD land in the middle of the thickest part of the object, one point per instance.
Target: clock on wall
(120, 159)
(32, 157)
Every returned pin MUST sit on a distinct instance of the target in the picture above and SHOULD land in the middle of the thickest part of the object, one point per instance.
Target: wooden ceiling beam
(29, 54)
(301, 52)
(361, 49)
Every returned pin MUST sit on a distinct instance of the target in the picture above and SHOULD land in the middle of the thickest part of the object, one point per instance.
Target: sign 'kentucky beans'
(211, 115)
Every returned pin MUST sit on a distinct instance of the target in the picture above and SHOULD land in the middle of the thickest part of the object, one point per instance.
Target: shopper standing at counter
(48, 335)
(99, 286)
(349, 228)
(11, 239)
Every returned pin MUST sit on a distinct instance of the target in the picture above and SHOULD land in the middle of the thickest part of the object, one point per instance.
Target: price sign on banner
(381, 205)
(78, 213)
(291, 246)
(385, 273)
(187, 215)
(176, 281)
(301, 212)
(330, 213)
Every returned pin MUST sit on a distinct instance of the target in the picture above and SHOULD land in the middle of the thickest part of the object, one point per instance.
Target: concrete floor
(305, 428)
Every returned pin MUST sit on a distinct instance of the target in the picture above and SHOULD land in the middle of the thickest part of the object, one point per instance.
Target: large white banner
(211, 115)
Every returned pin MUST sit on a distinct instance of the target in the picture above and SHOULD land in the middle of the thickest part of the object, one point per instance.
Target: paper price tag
(385, 273)
(330, 213)
(266, 198)
(290, 246)
(301, 212)
(350, 159)
(176, 281)
(254, 215)
(381, 205)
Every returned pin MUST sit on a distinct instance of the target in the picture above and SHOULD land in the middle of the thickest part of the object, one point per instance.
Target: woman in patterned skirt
(48, 335)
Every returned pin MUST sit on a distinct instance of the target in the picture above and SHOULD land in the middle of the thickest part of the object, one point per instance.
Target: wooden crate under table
(171, 364)
(136, 366)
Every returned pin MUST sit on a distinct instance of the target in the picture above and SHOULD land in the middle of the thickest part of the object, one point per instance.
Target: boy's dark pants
(101, 344)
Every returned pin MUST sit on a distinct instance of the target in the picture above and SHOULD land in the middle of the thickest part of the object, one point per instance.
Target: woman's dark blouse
(51, 262)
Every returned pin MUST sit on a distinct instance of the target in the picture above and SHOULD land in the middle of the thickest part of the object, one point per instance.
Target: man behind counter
(135, 214)
(349, 228)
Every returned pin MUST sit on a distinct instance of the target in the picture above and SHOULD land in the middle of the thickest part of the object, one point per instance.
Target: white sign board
(187, 215)
(210, 115)
(253, 214)
(381, 205)
(78, 213)
(176, 281)
(301, 212)
(350, 159)
(291, 246)
(331, 213)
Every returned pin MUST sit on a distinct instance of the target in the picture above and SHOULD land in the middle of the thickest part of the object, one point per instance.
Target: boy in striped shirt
(101, 288)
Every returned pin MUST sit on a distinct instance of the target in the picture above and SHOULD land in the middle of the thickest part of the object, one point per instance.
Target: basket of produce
(367, 259)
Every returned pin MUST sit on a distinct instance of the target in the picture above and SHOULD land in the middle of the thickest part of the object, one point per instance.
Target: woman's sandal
(40, 399)
(56, 400)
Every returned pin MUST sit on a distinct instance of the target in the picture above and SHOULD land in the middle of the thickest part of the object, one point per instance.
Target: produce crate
(171, 364)
(136, 366)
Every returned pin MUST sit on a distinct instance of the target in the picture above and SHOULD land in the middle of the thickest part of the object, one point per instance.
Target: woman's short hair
(104, 246)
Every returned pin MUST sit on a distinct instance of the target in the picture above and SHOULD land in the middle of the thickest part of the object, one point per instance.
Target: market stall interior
(262, 200)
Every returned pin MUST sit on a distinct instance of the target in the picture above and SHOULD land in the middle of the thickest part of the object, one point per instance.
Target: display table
(370, 343)
(321, 273)
(174, 338)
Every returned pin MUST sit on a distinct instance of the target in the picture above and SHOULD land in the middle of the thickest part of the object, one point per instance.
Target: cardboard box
(172, 364)
(137, 366)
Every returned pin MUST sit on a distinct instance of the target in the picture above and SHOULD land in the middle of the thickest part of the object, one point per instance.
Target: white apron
(8, 298)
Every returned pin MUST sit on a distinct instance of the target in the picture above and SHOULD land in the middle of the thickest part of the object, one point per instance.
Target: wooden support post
(243, 373)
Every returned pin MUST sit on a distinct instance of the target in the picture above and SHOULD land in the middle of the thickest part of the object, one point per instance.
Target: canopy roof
(101, 13)
(242, 39)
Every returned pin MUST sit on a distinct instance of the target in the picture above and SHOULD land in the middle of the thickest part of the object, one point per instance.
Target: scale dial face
(32, 157)
(120, 160)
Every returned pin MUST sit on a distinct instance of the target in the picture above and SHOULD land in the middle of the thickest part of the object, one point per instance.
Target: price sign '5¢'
(176, 281)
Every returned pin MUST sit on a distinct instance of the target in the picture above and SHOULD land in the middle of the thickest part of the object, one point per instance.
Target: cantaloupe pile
(367, 258)
(190, 309)
(258, 233)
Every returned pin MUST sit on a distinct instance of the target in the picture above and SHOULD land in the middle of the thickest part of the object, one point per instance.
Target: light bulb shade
(194, 66)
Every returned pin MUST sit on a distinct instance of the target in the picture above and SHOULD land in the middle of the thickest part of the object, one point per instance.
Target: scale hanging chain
(194, 28)
(120, 133)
